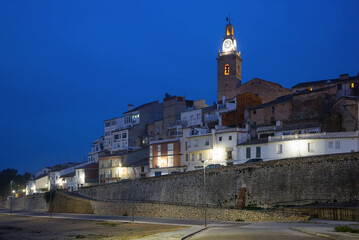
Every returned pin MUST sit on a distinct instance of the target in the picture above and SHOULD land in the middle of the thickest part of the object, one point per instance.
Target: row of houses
(255, 121)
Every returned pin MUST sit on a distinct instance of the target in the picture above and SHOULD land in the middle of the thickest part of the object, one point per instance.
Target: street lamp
(204, 192)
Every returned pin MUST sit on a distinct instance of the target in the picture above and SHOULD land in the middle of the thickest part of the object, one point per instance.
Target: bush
(345, 228)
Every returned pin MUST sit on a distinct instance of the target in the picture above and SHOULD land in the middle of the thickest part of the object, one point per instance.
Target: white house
(217, 146)
(298, 145)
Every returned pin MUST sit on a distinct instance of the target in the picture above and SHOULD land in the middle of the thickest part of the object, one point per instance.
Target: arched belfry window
(226, 69)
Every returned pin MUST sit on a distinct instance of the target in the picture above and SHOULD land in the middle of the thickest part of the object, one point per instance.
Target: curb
(190, 235)
(314, 233)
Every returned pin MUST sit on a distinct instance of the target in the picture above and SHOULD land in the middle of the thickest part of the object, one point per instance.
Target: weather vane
(228, 18)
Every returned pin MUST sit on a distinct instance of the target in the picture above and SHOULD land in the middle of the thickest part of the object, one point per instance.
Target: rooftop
(328, 81)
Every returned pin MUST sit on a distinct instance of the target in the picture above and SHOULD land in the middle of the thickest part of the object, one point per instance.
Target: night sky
(65, 66)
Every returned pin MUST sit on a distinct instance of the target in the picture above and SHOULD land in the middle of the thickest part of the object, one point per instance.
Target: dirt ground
(17, 227)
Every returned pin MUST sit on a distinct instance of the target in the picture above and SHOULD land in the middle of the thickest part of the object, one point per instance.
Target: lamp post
(204, 192)
(12, 195)
(133, 194)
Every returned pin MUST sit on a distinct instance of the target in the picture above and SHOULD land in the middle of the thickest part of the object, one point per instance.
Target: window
(226, 69)
(110, 174)
(229, 155)
(198, 116)
(124, 135)
(107, 133)
(352, 85)
(142, 168)
(207, 142)
(189, 143)
(196, 143)
(310, 147)
(113, 122)
(339, 87)
(116, 136)
(200, 156)
(170, 154)
(230, 138)
(110, 164)
(273, 109)
(254, 112)
(220, 139)
(279, 148)
(107, 124)
(170, 161)
(248, 152)
(151, 150)
(330, 145)
(187, 157)
(337, 144)
(193, 157)
(159, 150)
(258, 152)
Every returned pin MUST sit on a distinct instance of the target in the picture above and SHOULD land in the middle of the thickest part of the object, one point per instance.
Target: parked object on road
(213, 166)
(253, 160)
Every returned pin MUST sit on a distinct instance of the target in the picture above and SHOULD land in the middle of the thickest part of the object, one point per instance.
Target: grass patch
(252, 206)
(345, 228)
(107, 224)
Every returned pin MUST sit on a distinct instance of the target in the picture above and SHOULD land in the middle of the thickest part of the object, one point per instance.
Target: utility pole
(11, 195)
(204, 193)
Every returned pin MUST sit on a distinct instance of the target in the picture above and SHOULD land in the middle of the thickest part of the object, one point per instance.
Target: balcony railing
(315, 135)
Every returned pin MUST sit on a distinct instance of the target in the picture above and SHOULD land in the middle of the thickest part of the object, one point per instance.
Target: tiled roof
(71, 174)
(323, 82)
(288, 97)
(141, 106)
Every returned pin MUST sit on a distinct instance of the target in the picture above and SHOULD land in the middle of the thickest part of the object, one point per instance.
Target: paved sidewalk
(175, 235)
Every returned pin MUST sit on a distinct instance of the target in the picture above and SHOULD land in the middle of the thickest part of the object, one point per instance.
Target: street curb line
(99, 219)
(314, 233)
(190, 235)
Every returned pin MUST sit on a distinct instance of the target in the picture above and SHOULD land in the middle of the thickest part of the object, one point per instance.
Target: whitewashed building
(298, 145)
(201, 146)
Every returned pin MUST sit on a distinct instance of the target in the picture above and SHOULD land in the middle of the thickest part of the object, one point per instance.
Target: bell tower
(229, 65)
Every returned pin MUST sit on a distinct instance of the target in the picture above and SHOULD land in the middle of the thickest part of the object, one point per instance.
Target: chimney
(130, 107)
(344, 76)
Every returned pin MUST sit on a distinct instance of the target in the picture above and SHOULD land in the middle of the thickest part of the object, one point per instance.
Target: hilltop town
(253, 121)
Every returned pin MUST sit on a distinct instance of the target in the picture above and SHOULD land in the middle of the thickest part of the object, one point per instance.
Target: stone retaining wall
(299, 181)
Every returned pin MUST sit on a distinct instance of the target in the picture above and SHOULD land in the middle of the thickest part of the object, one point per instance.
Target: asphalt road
(274, 231)
(314, 229)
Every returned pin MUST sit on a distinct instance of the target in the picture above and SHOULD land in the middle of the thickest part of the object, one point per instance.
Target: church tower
(229, 65)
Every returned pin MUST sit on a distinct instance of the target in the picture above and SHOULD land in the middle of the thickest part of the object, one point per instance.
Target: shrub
(345, 228)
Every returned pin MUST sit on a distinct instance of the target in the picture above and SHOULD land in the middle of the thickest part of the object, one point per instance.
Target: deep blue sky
(65, 66)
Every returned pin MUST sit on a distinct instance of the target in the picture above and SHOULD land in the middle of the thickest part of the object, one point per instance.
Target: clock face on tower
(227, 45)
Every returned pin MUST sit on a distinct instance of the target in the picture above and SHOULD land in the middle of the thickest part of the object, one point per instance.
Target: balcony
(314, 136)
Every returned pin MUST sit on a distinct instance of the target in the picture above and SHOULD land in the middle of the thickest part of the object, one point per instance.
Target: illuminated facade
(229, 65)
(298, 145)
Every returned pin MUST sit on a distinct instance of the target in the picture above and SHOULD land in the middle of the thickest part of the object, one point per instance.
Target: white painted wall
(192, 118)
(299, 148)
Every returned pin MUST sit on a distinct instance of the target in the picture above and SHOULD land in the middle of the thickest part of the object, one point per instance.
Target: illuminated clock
(227, 45)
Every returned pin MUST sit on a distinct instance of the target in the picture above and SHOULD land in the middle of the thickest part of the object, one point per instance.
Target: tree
(12, 174)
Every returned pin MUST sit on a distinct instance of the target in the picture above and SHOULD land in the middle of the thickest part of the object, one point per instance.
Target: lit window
(226, 69)
(352, 85)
